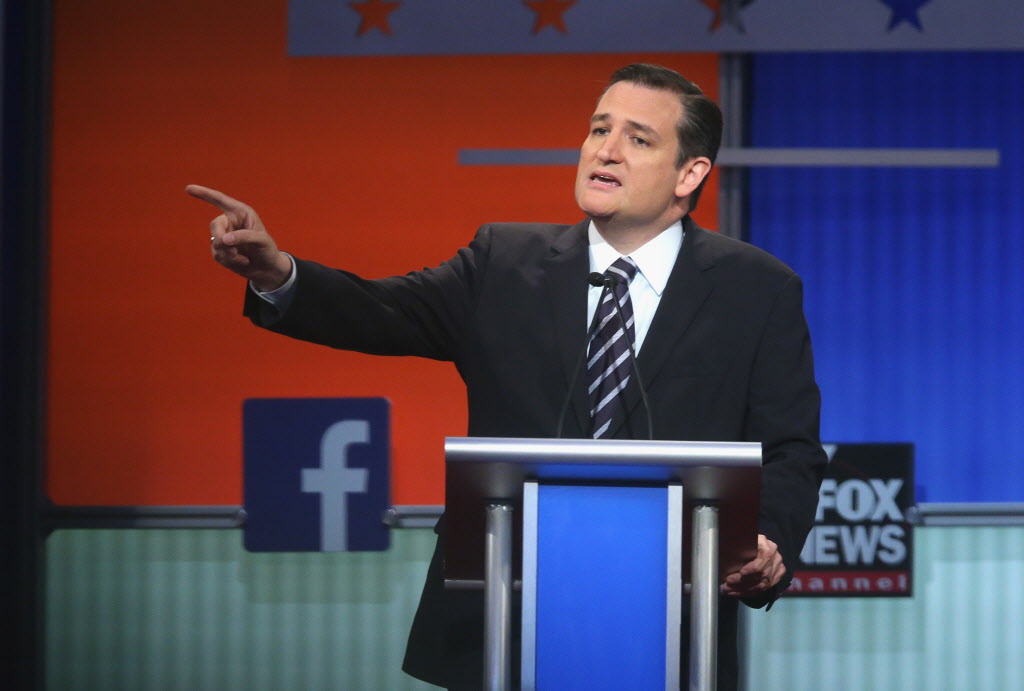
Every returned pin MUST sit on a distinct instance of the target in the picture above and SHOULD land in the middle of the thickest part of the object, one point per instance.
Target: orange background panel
(350, 161)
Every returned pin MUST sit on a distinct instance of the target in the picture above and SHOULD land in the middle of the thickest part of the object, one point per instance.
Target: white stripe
(604, 322)
(608, 318)
(627, 260)
(615, 336)
(622, 300)
(620, 272)
(604, 428)
(604, 375)
(610, 396)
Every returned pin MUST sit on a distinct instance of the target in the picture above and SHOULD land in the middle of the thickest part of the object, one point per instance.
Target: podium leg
(498, 599)
(704, 600)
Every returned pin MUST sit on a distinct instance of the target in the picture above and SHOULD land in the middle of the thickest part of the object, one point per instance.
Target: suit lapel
(689, 285)
(565, 279)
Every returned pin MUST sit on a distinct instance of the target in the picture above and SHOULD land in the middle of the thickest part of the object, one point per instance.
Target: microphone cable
(583, 353)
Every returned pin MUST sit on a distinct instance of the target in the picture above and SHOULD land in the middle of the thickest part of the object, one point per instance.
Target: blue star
(905, 11)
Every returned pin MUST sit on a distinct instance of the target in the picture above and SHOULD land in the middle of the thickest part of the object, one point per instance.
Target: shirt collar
(654, 259)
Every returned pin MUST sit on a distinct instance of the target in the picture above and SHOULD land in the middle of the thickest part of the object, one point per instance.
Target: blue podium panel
(601, 587)
(317, 474)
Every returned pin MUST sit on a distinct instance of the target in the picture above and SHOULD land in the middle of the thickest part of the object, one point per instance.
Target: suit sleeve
(423, 313)
(784, 407)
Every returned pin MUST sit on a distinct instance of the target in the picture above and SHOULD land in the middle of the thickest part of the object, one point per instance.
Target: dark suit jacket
(727, 358)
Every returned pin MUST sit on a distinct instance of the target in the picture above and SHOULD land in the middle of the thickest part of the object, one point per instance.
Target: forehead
(657, 109)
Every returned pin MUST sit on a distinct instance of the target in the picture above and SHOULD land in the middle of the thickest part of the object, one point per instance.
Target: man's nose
(610, 151)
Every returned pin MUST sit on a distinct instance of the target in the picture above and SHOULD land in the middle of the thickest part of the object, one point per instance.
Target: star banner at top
(493, 27)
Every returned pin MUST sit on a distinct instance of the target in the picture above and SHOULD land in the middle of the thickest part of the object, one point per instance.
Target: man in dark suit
(718, 326)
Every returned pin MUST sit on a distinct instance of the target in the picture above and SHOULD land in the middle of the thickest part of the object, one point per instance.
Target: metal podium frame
(491, 490)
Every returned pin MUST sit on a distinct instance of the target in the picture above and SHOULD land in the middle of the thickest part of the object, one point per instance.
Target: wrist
(276, 276)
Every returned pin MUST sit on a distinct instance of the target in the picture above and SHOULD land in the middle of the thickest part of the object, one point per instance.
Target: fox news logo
(317, 474)
(869, 526)
(861, 543)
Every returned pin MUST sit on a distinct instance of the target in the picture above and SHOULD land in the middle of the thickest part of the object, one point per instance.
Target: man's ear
(691, 174)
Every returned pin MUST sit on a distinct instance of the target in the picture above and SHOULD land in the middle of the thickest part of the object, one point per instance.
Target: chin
(596, 214)
(595, 211)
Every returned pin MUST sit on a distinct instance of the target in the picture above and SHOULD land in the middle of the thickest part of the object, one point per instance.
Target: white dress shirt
(654, 260)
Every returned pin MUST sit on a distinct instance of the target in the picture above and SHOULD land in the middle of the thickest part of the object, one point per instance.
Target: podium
(592, 534)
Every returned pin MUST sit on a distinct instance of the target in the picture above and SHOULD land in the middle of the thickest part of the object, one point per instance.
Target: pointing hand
(239, 241)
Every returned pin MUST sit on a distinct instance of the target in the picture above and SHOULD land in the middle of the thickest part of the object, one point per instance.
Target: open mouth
(605, 180)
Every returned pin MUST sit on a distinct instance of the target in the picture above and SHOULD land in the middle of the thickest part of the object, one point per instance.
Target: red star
(716, 7)
(728, 12)
(374, 15)
(549, 13)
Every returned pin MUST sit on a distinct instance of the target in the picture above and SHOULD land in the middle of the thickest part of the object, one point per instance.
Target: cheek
(580, 189)
(666, 182)
(579, 184)
(582, 173)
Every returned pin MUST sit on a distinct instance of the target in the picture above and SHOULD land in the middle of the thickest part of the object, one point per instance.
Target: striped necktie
(608, 363)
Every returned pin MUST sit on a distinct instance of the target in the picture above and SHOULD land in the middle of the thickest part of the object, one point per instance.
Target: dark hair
(699, 130)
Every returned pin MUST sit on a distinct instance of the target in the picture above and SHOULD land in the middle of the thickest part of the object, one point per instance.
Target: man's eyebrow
(633, 124)
(646, 129)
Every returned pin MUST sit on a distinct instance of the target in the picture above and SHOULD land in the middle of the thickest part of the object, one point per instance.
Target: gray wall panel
(961, 630)
(192, 610)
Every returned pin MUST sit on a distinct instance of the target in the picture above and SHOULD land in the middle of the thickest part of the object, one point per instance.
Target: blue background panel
(601, 588)
(913, 285)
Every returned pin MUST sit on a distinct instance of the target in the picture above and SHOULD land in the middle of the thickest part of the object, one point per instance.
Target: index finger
(218, 199)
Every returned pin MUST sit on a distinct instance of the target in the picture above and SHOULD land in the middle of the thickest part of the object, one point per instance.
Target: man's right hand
(239, 241)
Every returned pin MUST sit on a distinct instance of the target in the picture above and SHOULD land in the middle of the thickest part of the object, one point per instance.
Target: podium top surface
(601, 451)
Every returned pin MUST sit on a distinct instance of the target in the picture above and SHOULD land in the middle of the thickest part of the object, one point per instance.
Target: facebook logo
(317, 474)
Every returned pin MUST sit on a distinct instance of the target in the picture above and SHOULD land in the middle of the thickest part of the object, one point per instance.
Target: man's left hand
(760, 574)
